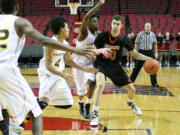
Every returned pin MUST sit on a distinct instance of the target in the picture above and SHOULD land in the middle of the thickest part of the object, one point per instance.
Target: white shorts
(55, 88)
(81, 79)
(17, 94)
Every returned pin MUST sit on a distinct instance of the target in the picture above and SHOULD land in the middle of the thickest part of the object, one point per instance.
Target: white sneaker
(127, 64)
(136, 110)
(94, 118)
(12, 133)
(14, 127)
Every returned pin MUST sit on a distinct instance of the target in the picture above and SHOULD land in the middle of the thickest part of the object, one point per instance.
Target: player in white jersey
(54, 89)
(85, 82)
(14, 90)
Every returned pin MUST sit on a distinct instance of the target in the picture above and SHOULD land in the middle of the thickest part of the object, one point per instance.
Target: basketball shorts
(16, 93)
(81, 78)
(115, 72)
(55, 88)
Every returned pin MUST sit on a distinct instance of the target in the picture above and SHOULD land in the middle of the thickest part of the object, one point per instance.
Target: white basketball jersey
(57, 59)
(11, 44)
(89, 41)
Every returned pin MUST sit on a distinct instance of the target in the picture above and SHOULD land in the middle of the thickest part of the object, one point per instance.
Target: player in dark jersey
(111, 66)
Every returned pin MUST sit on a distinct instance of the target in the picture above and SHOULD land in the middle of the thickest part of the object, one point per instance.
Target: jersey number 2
(4, 34)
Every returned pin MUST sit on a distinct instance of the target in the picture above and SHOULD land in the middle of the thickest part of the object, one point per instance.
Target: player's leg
(90, 92)
(131, 93)
(80, 88)
(4, 126)
(37, 124)
(62, 97)
(100, 84)
(136, 70)
(18, 97)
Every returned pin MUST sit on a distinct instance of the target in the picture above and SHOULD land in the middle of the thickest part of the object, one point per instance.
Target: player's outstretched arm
(24, 27)
(50, 67)
(71, 63)
(139, 56)
(83, 29)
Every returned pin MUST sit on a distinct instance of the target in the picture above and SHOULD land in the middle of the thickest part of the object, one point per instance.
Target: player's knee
(100, 86)
(132, 89)
(63, 106)
(42, 104)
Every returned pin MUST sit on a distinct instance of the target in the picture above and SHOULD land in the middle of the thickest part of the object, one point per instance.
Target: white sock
(95, 108)
(131, 100)
(80, 101)
(88, 100)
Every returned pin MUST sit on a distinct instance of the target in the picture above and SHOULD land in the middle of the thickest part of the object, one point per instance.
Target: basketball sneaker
(87, 111)
(81, 108)
(94, 118)
(12, 133)
(136, 110)
(14, 127)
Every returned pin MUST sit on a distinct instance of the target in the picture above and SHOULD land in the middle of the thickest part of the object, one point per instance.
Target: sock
(95, 108)
(80, 101)
(88, 100)
(130, 102)
(27, 119)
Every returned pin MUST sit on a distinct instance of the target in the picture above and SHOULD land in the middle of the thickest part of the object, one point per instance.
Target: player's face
(93, 24)
(147, 28)
(116, 25)
(66, 31)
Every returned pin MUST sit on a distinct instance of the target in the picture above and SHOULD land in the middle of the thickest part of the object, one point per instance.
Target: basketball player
(85, 82)
(53, 81)
(111, 67)
(17, 94)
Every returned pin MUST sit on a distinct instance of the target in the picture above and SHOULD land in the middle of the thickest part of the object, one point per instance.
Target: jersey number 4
(112, 56)
(4, 34)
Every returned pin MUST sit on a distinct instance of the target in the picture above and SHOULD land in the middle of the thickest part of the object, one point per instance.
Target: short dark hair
(117, 18)
(7, 6)
(56, 23)
(93, 16)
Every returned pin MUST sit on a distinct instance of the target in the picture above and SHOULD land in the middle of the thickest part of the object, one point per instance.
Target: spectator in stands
(128, 55)
(178, 48)
(168, 41)
(130, 62)
(160, 46)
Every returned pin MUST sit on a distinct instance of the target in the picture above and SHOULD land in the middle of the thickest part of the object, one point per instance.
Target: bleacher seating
(39, 12)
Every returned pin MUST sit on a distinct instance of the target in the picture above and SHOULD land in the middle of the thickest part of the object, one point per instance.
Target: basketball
(151, 66)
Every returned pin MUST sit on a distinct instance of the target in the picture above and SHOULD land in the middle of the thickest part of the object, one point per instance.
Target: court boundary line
(148, 130)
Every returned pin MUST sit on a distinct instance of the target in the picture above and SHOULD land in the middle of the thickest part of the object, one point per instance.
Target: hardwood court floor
(161, 109)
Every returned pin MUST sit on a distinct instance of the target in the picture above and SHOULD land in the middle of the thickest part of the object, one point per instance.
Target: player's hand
(86, 51)
(156, 55)
(91, 70)
(68, 77)
(106, 52)
(101, 2)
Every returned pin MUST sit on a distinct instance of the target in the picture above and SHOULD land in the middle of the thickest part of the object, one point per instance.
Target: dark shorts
(116, 73)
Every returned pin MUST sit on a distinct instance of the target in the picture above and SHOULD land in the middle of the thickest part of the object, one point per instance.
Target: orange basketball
(151, 66)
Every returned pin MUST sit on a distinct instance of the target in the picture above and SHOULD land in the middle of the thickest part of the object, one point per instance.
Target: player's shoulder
(123, 37)
(21, 21)
(104, 33)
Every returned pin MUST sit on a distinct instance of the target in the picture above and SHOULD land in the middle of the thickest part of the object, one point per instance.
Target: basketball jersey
(11, 44)
(89, 41)
(57, 59)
